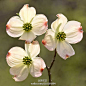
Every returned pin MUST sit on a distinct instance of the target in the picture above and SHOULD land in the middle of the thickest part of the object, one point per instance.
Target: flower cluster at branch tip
(27, 24)
(61, 34)
(24, 61)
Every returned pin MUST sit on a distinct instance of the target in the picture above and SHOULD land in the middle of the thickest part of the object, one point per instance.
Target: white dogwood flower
(23, 62)
(61, 34)
(27, 24)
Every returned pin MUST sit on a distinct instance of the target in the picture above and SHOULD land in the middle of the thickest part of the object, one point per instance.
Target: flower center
(27, 60)
(27, 26)
(61, 36)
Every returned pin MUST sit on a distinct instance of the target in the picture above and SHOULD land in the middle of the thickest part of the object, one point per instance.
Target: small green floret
(61, 36)
(27, 60)
(27, 27)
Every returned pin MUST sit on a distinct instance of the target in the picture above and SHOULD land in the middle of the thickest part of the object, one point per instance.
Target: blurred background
(71, 72)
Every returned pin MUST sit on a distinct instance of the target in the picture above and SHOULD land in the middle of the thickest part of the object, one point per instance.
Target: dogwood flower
(27, 24)
(23, 62)
(61, 34)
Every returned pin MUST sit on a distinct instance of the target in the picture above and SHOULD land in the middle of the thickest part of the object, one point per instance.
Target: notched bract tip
(8, 54)
(27, 42)
(7, 27)
(43, 42)
(41, 69)
(80, 29)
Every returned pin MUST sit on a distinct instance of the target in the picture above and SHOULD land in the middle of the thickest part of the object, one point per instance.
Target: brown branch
(49, 68)
(53, 60)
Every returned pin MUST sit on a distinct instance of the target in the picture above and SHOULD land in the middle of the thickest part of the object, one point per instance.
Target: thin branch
(49, 74)
(53, 60)
(49, 68)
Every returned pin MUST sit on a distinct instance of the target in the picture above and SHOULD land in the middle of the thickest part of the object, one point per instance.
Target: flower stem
(49, 68)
